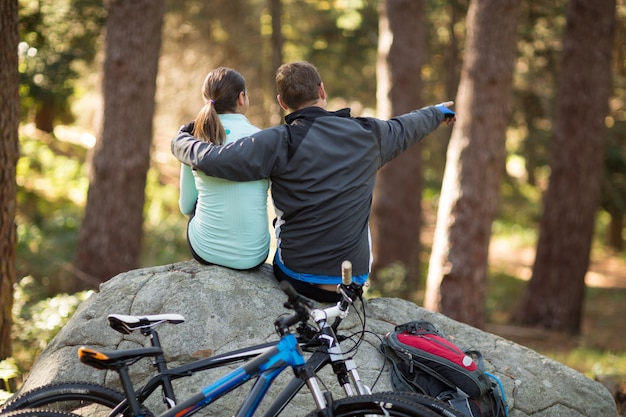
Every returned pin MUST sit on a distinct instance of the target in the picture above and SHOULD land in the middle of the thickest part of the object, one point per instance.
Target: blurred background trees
(59, 41)
(62, 104)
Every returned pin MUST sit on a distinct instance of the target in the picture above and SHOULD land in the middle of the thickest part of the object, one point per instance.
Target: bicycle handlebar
(292, 295)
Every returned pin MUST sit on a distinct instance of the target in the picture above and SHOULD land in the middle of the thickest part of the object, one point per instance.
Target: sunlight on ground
(604, 272)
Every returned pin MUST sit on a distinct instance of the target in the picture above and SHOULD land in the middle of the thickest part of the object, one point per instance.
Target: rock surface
(226, 310)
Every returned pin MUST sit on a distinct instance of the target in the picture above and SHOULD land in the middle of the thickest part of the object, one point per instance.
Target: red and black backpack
(425, 361)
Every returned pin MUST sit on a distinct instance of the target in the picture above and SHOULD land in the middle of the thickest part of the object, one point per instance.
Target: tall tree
(457, 276)
(396, 206)
(277, 42)
(9, 154)
(554, 296)
(109, 240)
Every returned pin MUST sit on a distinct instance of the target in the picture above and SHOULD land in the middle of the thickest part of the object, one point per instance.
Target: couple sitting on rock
(320, 166)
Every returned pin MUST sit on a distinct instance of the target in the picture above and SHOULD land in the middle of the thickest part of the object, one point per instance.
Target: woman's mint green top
(230, 226)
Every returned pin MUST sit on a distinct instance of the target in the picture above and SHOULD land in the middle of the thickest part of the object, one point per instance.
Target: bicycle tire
(37, 412)
(377, 405)
(443, 408)
(79, 398)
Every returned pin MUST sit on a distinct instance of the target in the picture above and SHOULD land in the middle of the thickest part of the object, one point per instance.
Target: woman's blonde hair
(220, 91)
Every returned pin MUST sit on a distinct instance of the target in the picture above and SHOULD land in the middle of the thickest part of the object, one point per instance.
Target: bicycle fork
(345, 369)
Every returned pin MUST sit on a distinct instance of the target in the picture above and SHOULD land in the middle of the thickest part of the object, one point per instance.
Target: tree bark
(396, 206)
(457, 276)
(554, 296)
(615, 238)
(9, 154)
(109, 240)
(277, 43)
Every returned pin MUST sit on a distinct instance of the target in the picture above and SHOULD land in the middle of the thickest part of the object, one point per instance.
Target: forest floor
(603, 327)
(603, 323)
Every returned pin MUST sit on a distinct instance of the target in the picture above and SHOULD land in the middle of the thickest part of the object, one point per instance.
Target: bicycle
(84, 398)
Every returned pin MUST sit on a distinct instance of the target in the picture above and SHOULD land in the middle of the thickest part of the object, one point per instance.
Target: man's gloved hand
(449, 115)
(188, 128)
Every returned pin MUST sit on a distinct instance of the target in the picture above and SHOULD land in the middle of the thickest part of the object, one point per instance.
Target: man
(322, 166)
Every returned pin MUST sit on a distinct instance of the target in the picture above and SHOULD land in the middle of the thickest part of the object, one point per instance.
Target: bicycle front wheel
(79, 398)
(378, 405)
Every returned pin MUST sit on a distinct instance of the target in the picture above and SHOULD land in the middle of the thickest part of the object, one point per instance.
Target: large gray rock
(225, 310)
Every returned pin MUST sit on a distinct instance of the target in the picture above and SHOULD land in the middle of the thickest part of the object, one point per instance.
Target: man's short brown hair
(298, 84)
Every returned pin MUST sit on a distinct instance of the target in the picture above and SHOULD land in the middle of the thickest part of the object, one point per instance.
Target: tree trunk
(396, 206)
(277, 42)
(109, 241)
(44, 116)
(9, 154)
(554, 296)
(615, 238)
(457, 277)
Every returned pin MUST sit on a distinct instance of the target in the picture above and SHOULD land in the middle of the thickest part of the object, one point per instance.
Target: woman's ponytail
(208, 125)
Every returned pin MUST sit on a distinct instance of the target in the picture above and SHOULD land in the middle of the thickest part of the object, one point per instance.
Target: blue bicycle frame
(266, 366)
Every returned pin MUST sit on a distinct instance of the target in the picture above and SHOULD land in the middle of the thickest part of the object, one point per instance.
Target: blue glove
(448, 114)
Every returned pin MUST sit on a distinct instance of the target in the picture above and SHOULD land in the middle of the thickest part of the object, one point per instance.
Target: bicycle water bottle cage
(128, 324)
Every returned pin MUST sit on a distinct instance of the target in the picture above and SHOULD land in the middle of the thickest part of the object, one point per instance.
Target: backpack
(424, 361)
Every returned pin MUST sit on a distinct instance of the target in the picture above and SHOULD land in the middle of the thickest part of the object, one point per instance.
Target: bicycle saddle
(128, 324)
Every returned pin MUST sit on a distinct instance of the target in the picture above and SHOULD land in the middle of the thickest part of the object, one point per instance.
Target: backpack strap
(478, 358)
(501, 407)
(418, 327)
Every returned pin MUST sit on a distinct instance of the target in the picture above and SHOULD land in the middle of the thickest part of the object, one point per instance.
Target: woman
(228, 222)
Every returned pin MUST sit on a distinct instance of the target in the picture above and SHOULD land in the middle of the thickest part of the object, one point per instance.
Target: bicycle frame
(317, 361)
(267, 367)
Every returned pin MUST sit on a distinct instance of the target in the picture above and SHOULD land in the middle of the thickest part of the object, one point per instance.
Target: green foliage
(52, 184)
(503, 292)
(390, 282)
(56, 36)
(519, 210)
(38, 319)
(338, 32)
(8, 372)
(4, 395)
(165, 226)
(52, 188)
